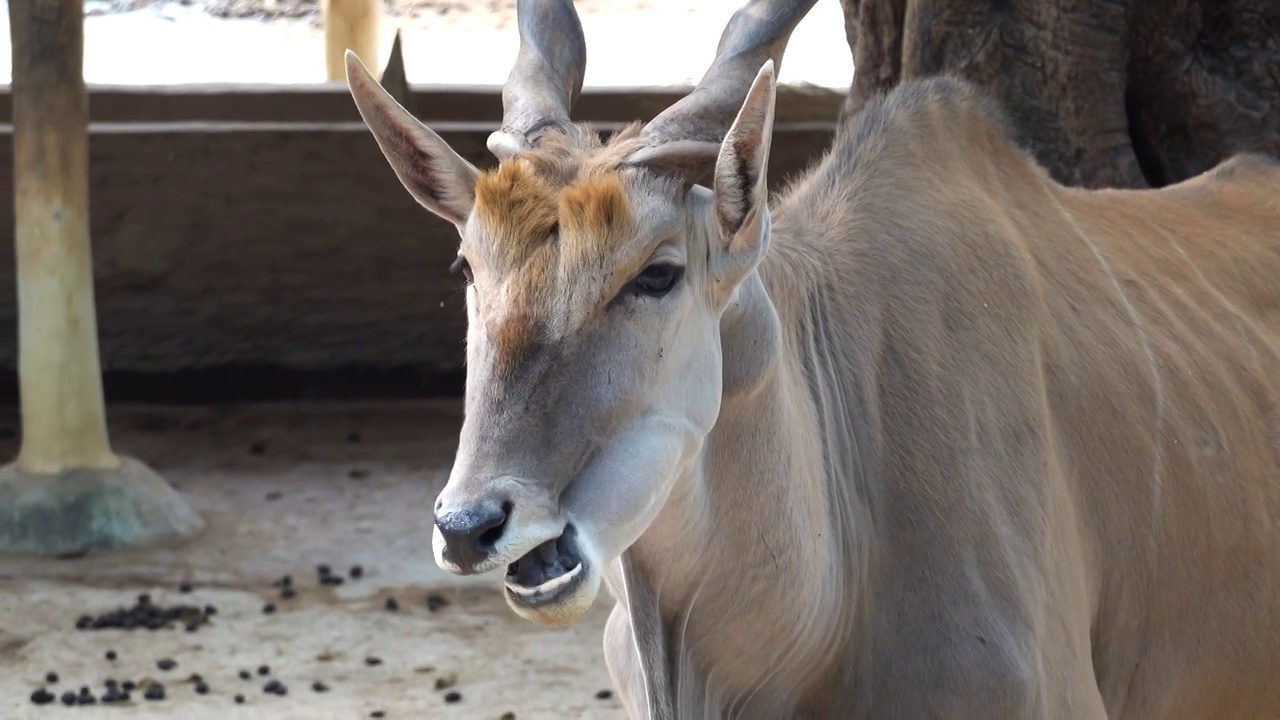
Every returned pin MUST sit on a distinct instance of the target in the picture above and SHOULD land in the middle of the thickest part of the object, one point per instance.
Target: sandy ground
(629, 42)
(283, 489)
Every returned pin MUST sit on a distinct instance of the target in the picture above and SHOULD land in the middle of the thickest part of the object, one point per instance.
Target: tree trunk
(1127, 93)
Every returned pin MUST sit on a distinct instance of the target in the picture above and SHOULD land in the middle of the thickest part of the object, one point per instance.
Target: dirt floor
(285, 489)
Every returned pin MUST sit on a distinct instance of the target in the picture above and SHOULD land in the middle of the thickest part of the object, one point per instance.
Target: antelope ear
(740, 183)
(741, 193)
(440, 179)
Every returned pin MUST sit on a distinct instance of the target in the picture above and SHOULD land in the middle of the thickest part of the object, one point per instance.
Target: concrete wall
(243, 231)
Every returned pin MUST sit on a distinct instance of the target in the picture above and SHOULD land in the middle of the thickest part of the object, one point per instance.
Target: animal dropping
(145, 614)
(275, 687)
(115, 694)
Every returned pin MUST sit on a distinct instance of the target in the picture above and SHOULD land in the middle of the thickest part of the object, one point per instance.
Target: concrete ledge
(331, 102)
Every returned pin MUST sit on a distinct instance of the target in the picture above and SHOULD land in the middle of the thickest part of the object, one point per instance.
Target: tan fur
(1055, 418)
(574, 184)
(966, 443)
(1054, 490)
(517, 206)
(349, 24)
(561, 205)
(515, 339)
(595, 207)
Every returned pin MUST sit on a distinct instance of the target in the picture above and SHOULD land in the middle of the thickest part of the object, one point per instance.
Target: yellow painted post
(67, 491)
(349, 24)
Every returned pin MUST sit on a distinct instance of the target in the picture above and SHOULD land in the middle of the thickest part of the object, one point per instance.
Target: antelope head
(598, 275)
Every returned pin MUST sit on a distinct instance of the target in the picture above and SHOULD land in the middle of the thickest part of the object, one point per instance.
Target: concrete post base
(91, 509)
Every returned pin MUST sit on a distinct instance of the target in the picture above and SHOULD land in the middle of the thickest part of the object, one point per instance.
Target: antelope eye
(657, 279)
(461, 265)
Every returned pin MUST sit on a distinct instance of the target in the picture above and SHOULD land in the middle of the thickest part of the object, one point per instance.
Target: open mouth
(548, 572)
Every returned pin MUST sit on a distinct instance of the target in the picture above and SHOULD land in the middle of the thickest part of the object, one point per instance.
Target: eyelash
(656, 280)
(460, 264)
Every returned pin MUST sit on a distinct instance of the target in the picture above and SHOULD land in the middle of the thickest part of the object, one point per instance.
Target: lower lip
(552, 596)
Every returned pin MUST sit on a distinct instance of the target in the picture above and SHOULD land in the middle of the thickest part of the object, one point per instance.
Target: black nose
(471, 532)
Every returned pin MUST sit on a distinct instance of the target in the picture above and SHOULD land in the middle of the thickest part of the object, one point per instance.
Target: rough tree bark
(67, 491)
(1121, 93)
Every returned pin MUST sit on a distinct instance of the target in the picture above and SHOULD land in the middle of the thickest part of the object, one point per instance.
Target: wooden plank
(331, 102)
(277, 245)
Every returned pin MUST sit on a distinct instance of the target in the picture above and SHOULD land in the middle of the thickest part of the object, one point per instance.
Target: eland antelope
(926, 435)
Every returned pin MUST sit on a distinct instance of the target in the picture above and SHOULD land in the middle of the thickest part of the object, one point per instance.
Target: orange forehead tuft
(516, 203)
(595, 206)
(524, 199)
(545, 212)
